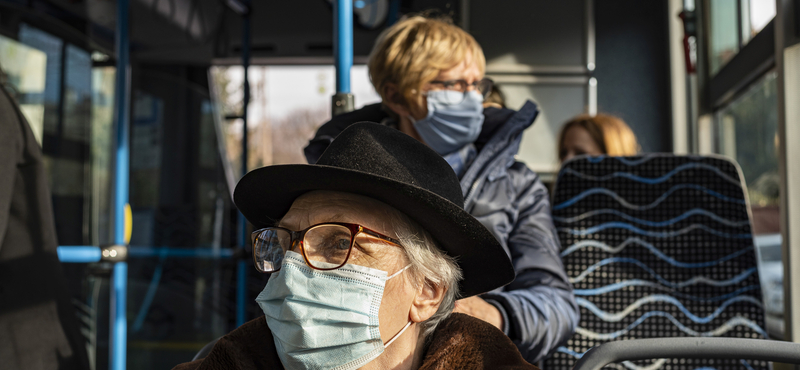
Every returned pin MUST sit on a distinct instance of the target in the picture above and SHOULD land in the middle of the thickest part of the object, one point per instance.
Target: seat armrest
(689, 347)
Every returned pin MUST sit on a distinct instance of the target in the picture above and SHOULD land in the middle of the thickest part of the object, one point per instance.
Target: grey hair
(429, 265)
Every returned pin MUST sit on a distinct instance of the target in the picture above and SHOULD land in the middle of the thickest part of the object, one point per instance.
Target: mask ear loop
(397, 335)
(398, 273)
(409, 321)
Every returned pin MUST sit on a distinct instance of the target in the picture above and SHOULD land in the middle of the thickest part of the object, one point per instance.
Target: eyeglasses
(326, 246)
(484, 87)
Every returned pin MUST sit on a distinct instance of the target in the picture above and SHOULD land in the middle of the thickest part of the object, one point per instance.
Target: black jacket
(538, 307)
(38, 328)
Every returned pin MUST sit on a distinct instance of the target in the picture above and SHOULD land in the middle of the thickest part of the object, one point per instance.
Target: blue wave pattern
(657, 252)
(719, 331)
(692, 281)
(654, 180)
(661, 298)
(672, 221)
(644, 207)
(625, 160)
(654, 234)
(609, 249)
(644, 283)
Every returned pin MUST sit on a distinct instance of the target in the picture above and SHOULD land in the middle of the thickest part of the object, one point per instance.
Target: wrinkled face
(578, 141)
(328, 206)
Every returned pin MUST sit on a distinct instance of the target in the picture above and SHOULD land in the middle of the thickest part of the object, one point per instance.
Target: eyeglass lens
(324, 246)
(269, 247)
(483, 87)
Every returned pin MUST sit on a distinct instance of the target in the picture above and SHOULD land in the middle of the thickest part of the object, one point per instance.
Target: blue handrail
(343, 43)
(241, 266)
(119, 326)
(79, 254)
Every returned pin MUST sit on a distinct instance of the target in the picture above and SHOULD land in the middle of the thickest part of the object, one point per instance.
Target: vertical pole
(678, 71)
(343, 101)
(343, 45)
(591, 46)
(119, 326)
(241, 265)
(787, 60)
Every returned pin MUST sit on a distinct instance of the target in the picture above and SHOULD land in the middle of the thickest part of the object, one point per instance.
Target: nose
(296, 243)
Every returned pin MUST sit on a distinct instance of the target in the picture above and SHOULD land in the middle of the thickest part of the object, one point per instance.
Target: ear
(395, 101)
(427, 301)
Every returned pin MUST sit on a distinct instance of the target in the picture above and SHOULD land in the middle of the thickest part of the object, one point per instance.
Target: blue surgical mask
(448, 127)
(325, 319)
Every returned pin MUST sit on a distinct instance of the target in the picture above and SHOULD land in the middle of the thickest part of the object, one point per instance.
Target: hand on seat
(478, 308)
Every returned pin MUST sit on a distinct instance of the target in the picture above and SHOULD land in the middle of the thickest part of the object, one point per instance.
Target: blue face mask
(449, 127)
(325, 319)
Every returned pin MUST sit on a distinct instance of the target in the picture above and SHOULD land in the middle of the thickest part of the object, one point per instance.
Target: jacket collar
(497, 154)
(504, 126)
(459, 342)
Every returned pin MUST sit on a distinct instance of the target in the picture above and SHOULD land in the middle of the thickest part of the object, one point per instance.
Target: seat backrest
(657, 246)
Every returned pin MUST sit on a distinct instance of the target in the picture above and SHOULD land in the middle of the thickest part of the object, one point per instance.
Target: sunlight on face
(329, 206)
(466, 70)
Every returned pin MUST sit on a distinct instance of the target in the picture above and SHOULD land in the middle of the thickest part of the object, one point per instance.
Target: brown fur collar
(460, 342)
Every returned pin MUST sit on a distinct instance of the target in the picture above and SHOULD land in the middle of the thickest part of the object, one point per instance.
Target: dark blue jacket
(538, 307)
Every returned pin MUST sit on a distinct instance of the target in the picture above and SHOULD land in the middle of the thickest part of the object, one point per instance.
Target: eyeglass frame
(475, 85)
(299, 236)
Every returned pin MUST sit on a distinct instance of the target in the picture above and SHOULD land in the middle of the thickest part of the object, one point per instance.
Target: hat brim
(266, 194)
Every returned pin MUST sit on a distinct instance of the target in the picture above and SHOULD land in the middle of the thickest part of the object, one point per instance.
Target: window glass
(68, 150)
(102, 135)
(177, 304)
(61, 123)
(77, 95)
(723, 33)
(25, 69)
(210, 203)
(51, 46)
(732, 24)
(756, 15)
(288, 104)
(748, 133)
(146, 148)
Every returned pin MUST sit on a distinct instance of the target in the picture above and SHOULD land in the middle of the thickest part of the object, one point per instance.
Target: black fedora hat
(385, 164)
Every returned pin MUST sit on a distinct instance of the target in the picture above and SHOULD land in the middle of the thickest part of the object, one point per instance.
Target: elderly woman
(430, 75)
(369, 250)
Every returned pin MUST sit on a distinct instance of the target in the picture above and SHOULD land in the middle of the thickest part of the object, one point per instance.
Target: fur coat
(460, 342)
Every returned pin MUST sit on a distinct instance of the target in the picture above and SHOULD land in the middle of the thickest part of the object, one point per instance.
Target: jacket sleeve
(539, 307)
(11, 148)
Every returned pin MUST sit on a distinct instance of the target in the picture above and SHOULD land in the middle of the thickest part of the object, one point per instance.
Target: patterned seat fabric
(657, 246)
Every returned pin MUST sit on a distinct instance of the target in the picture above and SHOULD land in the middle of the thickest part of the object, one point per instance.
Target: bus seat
(657, 246)
(689, 347)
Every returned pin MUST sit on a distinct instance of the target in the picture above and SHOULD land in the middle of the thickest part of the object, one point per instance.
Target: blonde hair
(412, 52)
(610, 133)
